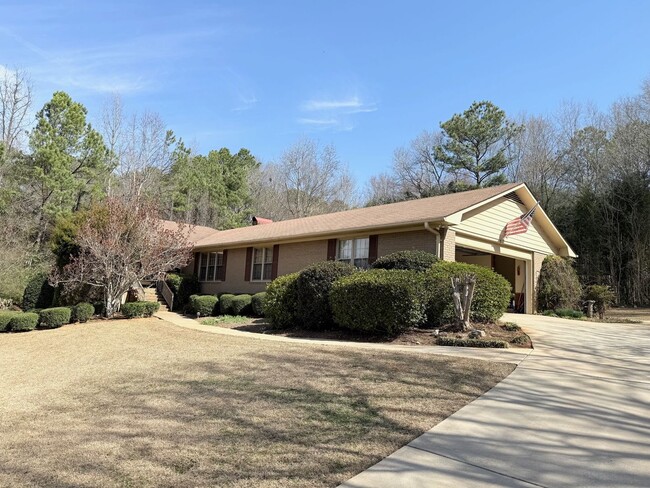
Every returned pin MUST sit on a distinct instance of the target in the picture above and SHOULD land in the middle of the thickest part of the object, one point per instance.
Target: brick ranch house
(466, 227)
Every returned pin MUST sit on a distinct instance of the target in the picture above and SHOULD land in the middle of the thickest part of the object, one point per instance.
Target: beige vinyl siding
(298, 255)
(421, 240)
(487, 222)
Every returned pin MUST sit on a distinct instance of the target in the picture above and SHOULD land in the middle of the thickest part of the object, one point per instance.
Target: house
(466, 227)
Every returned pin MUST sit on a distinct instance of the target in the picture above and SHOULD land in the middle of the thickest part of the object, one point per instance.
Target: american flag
(520, 224)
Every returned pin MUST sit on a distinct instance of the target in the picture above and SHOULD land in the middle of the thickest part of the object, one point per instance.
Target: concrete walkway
(575, 413)
(513, 355)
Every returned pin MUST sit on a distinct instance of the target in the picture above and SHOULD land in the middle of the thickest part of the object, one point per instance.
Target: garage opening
(513, 270)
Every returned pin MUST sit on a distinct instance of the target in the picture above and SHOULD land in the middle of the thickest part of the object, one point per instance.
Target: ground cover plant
(184, 408)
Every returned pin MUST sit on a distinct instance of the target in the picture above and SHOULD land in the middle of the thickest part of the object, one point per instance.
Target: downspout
(427, 227)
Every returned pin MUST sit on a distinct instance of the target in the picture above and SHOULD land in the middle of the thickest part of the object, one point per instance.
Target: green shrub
(5, 318)
(257, 303)
(242, 305)
(558, 285)
(492, 293)
(82, 312)
(450, 341)
(511, 327)
(23, 322)
(521, 339)
(280, 301)
(225, 304)
(568, 313)
(183, 287)
(139, 309)
(204, 305)
(549, 313)
(38, 293)
(51, 318)
(603, 295)
(378, 302)
(313, 288)
(413, 260)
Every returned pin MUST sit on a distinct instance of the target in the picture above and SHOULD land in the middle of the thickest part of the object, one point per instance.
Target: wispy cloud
(349, 105)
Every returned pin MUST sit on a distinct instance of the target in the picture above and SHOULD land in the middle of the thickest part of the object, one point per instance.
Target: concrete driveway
(575, 413)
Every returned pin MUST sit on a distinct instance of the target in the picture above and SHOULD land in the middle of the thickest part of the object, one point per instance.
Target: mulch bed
(414, 337)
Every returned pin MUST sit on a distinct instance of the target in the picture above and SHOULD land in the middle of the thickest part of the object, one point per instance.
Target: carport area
(512, 269)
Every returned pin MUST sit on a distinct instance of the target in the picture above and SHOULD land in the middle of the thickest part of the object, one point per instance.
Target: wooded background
(589, 168)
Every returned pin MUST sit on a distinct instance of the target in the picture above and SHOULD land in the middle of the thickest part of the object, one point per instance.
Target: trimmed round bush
(82, 312)
(133, 310)
(38, 293)
(242, 305)
(204, 305)
(378, 302)
(257, 303)
(558, 285)
(23, 322)
(5, 318)
(51, 318)
(225, 304)
(280, 301)
(313, 289)
(492, 293)
(413, 260)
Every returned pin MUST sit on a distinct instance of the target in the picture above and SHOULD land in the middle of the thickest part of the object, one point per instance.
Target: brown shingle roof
(195, 232)
(382, 216)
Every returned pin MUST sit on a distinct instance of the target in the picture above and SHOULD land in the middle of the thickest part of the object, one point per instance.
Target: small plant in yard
(257, 302)
(133, 310)
(451, 341)
(82, 312)
(51, 318)
(5, 318)
(225, 304)
(511, 327)
(280, 301)
(521, 339)
(241, 305)
(23, 322)
(204, 305)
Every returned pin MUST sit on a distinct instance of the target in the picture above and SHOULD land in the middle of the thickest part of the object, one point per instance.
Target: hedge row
(133, 310)
(381, 301)
(227, 304)
(48, 318)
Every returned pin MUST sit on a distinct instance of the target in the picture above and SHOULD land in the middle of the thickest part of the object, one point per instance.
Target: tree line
(589, 168)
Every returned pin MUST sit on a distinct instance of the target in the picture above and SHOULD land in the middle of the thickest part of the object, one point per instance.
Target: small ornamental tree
(121, 243)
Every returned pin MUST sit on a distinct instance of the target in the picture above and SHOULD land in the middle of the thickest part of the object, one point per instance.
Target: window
(210, 266)
(262, 263)
(354, 251)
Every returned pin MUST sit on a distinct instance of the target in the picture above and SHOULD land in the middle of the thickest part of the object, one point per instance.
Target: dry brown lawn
(143, 403)
(642, 314)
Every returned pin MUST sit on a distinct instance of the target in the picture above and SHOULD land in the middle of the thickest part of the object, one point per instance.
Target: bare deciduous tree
(121, 244)
(15, 102)
(416, 168)
(307, 180)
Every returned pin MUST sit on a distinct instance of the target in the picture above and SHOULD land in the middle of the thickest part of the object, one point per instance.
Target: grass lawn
(144, 403)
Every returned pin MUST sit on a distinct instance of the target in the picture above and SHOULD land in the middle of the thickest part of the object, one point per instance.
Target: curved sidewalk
(575, 413)
(513, 355)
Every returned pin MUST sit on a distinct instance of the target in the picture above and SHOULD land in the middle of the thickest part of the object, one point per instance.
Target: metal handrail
(168, 295)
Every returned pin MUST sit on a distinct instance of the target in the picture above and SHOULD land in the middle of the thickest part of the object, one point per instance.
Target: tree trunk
(463, 292)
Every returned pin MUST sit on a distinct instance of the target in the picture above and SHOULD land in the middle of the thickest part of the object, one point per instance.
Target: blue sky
(364, 76)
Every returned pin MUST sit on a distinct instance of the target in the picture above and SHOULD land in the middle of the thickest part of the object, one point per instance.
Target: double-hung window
(210, 266)
(354, 251)
(262, 263)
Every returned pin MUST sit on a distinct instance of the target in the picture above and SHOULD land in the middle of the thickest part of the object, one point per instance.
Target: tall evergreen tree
(67, 163)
